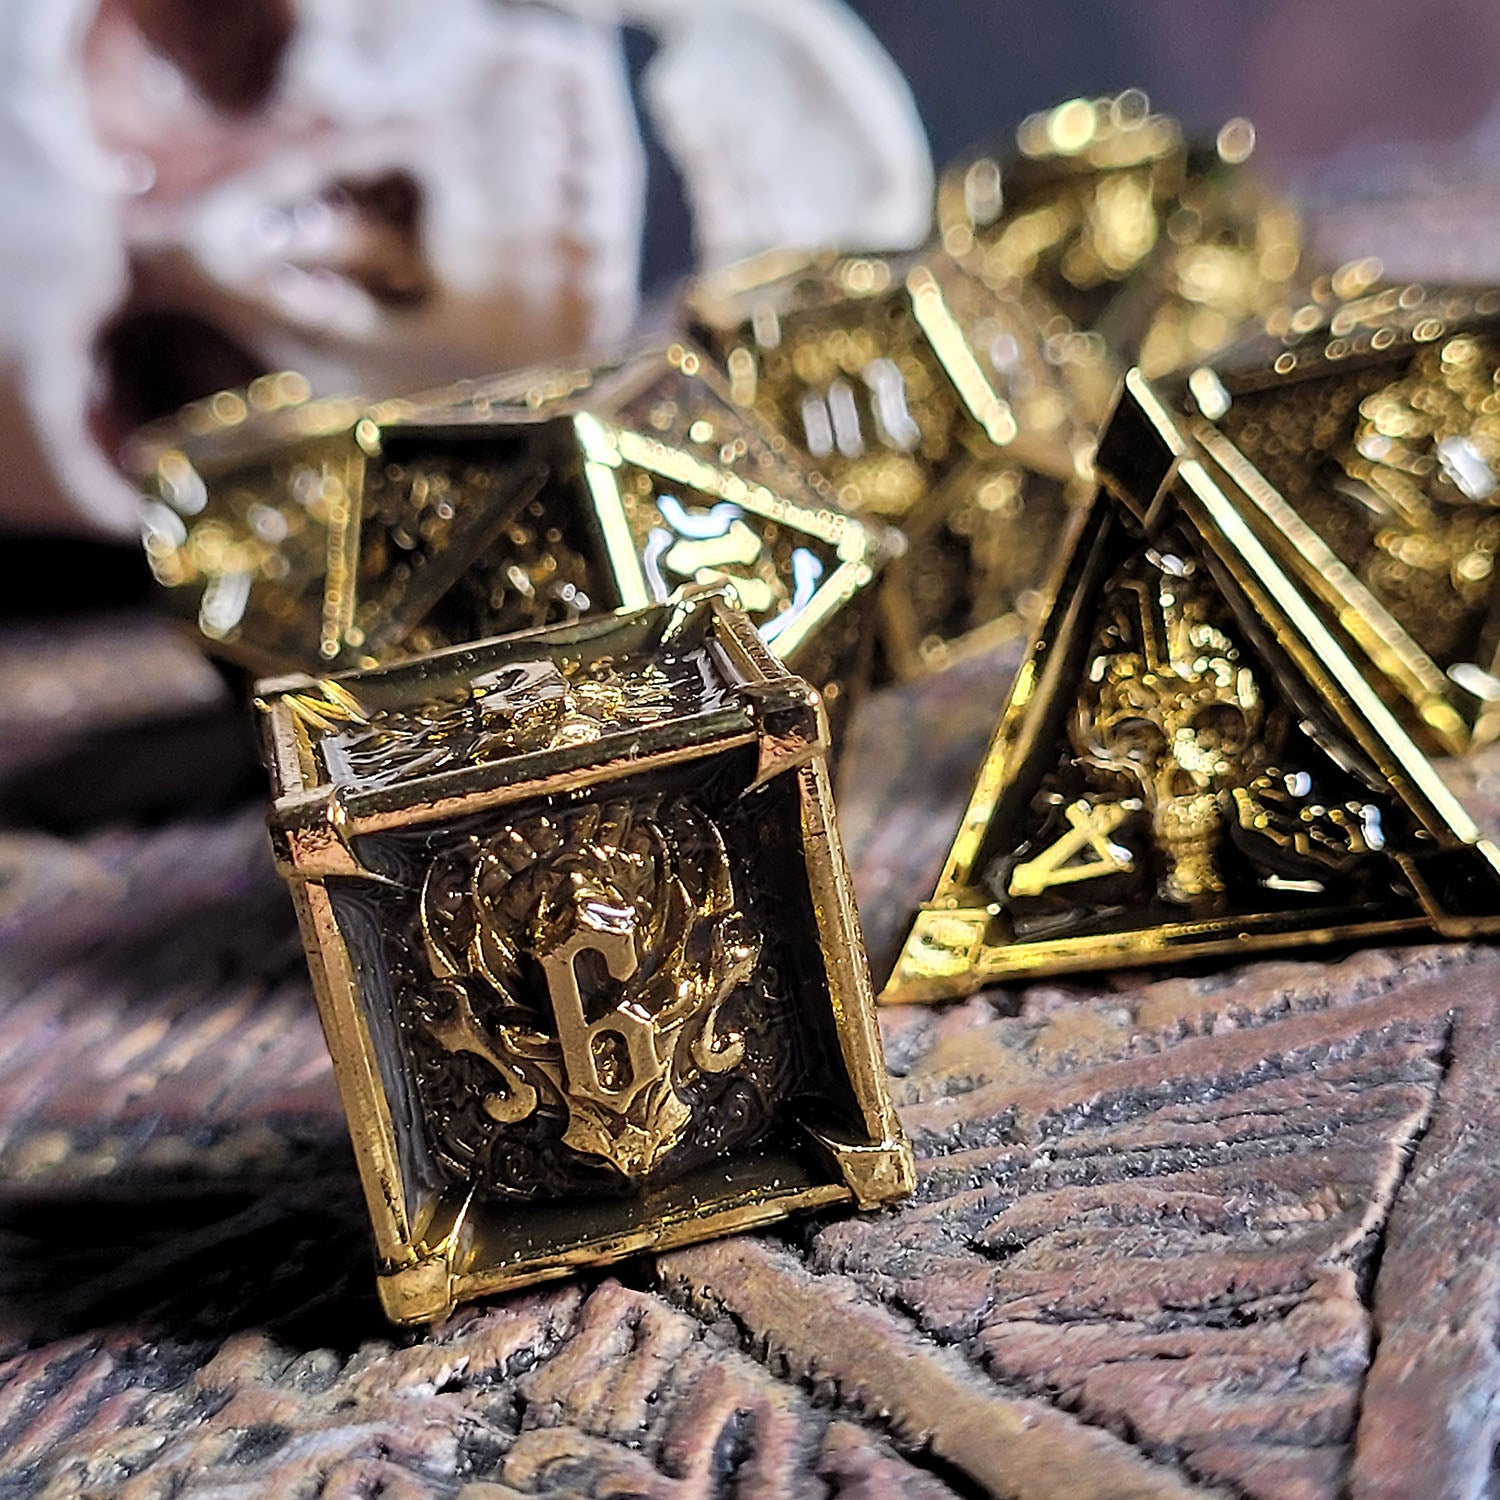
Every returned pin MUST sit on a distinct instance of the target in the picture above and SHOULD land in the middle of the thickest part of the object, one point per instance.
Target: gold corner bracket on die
(584, 946)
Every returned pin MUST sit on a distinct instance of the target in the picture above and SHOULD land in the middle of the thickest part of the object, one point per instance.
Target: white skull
(384, 194)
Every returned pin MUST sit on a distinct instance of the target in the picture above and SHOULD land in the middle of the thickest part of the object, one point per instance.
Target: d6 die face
(583, 945)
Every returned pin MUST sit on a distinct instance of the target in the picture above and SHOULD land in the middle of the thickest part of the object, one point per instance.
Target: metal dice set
(571, 652)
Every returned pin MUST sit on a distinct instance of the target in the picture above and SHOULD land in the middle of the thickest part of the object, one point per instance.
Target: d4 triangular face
(1189, 765)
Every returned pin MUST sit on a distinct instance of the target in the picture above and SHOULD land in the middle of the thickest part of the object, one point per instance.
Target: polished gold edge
(601, 458)
(339, 591)
(356, 823)
(988, 408)
(426, 1292)
(1376, 631)
(1329, 667)
(850, 989)
(1008, 749)
(1143, 947)
(361, 1090)
(741, 643)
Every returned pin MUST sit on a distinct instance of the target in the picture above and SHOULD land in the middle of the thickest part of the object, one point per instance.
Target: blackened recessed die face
(597, 993)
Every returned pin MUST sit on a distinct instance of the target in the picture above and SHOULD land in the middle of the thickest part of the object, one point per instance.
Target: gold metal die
(1360, 433)
(921, 397)
(584, 946)
(1161, 247)
(249, 498)
(494, 507)
(1189, 763)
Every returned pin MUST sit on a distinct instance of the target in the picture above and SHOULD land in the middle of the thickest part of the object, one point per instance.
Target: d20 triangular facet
(1190, 764)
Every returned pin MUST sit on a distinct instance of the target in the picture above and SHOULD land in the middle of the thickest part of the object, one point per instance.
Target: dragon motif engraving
(584, 961)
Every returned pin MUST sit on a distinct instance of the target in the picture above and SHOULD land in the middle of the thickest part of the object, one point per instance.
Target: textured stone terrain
(1232, 1232)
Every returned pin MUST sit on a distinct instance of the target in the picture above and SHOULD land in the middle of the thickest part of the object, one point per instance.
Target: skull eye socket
(1135, 739)
(1221, 726)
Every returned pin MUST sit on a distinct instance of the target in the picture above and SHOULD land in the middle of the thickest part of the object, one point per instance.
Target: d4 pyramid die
(1189, 764)
(1358, 432)
(495, 507)
(920, 396)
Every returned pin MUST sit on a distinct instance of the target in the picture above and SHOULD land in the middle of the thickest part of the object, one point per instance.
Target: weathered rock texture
(1234, 1232)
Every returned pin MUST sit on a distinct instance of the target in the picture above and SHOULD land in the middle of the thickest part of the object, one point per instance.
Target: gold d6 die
(584, 946)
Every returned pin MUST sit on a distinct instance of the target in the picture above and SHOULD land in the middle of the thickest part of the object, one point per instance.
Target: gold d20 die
(494, 507)
(1190, 763)
(584, 946)
(1359, 432)
(922, 397)
(1161, 246)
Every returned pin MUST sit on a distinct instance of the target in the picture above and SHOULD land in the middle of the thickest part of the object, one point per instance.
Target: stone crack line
(1429, 1418)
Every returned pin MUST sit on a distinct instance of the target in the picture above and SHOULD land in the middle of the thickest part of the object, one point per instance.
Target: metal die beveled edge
(434, 1252)
(1389, 647)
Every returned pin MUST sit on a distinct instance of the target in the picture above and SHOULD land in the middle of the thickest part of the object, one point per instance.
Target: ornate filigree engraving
(1387, 480)
(583, 943)
(425, 509)
(1424, 465)
(594, 965)
(518, 709)
(1183, 772)
(1169, 705)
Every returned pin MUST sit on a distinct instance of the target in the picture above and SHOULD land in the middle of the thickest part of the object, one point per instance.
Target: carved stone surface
(1226, 1232)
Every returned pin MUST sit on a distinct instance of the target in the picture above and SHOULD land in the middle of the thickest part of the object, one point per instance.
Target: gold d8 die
(584, 946)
